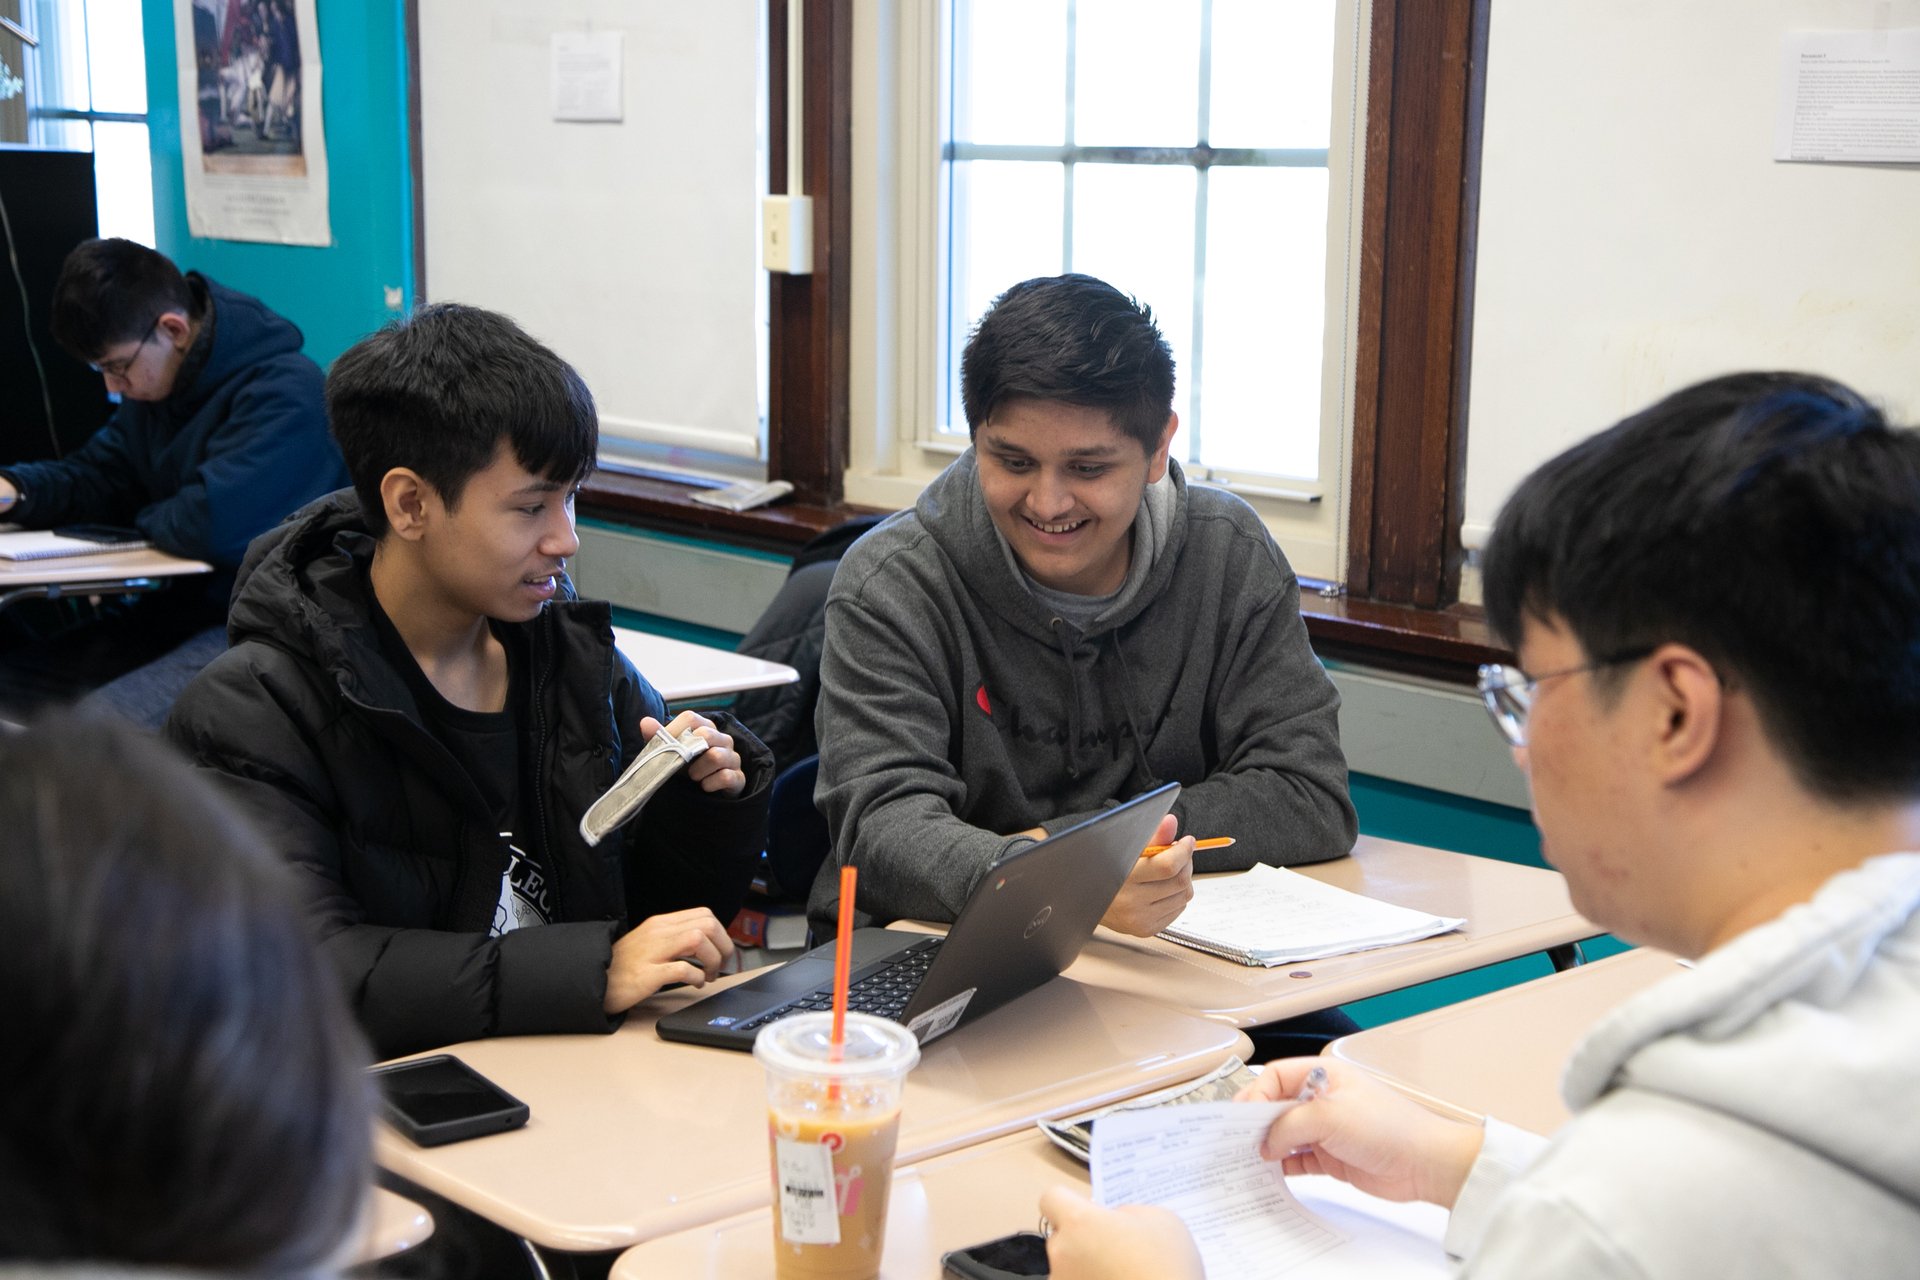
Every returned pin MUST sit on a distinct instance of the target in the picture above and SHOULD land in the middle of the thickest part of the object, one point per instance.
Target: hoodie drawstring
(1133, 726)
(1071, 745)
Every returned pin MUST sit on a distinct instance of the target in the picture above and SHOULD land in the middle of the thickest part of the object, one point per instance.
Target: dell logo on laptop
(1039, 921)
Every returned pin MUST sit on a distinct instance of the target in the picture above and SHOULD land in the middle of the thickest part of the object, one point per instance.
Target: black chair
(797, 841)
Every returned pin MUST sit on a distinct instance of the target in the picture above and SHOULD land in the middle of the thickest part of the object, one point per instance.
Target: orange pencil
(1212, 842)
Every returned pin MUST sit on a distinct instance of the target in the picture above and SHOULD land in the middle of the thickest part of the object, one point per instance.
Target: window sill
(1446, 644)
(649, 500)
(1441, 644)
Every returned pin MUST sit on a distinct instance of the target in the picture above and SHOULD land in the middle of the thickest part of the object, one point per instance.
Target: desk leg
(1565, 956)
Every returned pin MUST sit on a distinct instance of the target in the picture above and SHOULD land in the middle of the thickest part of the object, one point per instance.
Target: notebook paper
(52, 546)
(1271, 916)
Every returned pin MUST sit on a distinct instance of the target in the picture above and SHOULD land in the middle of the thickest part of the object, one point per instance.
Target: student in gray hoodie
(1060, 623)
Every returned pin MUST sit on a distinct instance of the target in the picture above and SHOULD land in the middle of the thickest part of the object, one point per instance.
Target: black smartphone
(441, 1099)
(108, 533)
(1023, 1253)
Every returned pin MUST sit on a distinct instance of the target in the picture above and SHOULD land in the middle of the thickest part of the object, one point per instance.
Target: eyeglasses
(1508, 691)
(118, 368)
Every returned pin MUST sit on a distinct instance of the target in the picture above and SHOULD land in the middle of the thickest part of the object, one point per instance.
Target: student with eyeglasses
(1715, 607)
(220, 432)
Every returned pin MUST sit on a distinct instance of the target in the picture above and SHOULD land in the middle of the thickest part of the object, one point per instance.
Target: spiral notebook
(1271, 916)
(42, 545)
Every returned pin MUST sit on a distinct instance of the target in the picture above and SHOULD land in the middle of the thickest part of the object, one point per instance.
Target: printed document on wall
(1849, 97)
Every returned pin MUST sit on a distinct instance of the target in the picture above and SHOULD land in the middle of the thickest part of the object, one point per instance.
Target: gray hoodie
(956, 707)
(1757, 1116)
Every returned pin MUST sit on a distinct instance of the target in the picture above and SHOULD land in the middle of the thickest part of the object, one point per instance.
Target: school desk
(1501, 1054)
(632, 1137)
(394, 1224)
(1510, 911)
(682, 671)
(990, 1190)
(108, 574)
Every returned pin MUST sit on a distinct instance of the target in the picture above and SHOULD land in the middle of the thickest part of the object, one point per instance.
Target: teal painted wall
(1397, 811)
(337, 293)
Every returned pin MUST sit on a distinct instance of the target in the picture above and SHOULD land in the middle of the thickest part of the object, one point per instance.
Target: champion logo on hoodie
(980, 699)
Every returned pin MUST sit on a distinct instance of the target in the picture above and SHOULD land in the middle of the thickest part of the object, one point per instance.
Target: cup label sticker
(807, 1210)
(942, 1018)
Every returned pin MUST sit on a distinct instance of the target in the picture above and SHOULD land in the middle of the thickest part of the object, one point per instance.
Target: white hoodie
(1757, 1116)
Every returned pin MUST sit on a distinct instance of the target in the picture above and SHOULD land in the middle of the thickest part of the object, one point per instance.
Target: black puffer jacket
(318, 734)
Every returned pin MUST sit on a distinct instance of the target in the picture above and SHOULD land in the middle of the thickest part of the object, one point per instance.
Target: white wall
(1635, 234)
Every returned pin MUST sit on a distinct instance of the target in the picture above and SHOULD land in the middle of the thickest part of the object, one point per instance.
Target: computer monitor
(50, 207)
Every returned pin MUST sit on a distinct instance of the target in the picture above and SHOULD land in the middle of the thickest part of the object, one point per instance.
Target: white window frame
(895, 446)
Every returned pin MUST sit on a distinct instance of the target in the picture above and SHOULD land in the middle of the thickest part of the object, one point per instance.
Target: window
(1199, 154)
(85, 89)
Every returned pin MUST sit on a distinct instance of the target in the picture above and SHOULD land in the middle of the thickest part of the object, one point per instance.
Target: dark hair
(112, 291)
(1076, 340)
(180, 1081)
(440, 390)
(1770, 521)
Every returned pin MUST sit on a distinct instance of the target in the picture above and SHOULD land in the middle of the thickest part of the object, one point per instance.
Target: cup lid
(804, 1044)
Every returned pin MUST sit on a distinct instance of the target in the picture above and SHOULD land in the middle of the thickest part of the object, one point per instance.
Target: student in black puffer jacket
(418, 712)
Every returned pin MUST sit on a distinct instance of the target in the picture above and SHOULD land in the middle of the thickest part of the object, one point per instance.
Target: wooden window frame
(1399, 608)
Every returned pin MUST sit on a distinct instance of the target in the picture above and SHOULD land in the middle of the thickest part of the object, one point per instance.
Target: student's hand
(1364, 1132)
(718, 768)
(681, 946)
(1135, 1240)
(1158, 889)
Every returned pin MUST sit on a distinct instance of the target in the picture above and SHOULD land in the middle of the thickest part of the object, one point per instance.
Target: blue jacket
(238, 445)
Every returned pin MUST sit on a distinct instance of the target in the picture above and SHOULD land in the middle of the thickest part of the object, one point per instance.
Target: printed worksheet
(1203, 1162)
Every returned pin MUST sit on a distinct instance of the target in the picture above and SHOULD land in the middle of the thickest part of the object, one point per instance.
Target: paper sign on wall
(1849, 97)
(586, 75)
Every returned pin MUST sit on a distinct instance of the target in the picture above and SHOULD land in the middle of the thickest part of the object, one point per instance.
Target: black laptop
(1025, 921)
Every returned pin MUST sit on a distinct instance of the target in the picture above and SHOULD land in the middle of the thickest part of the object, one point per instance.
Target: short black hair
(111, 291)
(438, 391)
(1076, 340)
(181, 1083)
(1770, 521)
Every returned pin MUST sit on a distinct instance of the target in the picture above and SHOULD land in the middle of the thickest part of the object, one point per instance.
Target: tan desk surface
(394, 1223)
(82, 571)
(1501, 1054)
(1510, 911)
(992, 1189)
(964, 1197)
(682, 670)
(632, 1137)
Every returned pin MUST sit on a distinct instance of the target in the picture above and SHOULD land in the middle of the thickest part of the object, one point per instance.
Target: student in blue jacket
(221, 431)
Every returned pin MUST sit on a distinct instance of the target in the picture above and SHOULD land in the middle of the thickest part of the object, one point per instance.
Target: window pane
(1136, 73)
(123, 174)
(1272, 73)
(1133, 228)
(1265, 315)
(1010, 73)
(1006, 228)
(118, 56)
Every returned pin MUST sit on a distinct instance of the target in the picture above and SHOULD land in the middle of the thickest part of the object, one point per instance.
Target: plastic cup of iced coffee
(832, 1120)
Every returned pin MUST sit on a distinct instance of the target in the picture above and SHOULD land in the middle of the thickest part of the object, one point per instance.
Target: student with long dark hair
(181, 1085)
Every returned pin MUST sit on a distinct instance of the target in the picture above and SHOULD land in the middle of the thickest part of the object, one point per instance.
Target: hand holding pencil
(1159, 887)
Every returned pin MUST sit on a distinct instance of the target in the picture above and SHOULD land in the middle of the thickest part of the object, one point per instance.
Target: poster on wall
(251, 141)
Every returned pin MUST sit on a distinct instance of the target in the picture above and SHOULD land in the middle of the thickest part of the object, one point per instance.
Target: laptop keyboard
(884, 993)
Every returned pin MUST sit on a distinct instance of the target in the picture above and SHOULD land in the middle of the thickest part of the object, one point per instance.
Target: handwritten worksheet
(1203, 1163)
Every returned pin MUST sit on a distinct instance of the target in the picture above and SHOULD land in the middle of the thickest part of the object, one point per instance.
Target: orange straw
(843, 958)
